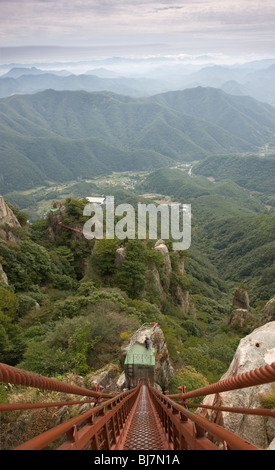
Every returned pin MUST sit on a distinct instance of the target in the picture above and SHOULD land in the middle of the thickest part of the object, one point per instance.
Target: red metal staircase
(138, 419)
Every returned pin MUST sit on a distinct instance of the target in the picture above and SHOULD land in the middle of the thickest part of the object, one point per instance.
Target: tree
(11, 345)
(131, 274)
(8, 302)
(103, 257)
(79, 346)
(44, 360)
(131, 278)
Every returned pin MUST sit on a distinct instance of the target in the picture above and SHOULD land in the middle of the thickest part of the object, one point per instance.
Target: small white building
(96, 200)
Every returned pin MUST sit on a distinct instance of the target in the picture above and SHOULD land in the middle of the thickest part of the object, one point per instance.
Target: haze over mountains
(64, 135)
(136, 77)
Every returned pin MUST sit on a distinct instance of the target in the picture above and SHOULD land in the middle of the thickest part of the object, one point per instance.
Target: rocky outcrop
(106, 378)
(159, 281)
(184, 299)
(240, 318)
(181, 295)
(163, 250)
(163, 366)
(120, 255)
(268, 313)
(8, 223)
(154, 274)
(3, 276)
(111, 378)
(55, 218)
(6, 215)
(241, 298)
(255, 350)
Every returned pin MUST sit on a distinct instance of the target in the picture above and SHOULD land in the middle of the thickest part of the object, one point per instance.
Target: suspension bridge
(140, 418)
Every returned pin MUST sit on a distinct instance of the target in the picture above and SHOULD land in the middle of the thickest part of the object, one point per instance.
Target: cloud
(37, 22)
(168, 8)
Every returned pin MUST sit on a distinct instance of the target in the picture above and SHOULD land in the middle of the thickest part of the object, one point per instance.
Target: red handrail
(16, 376)
(262, 375)
(103, 425)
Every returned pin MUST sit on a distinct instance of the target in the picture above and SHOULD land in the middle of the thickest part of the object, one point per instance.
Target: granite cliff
(255, 350)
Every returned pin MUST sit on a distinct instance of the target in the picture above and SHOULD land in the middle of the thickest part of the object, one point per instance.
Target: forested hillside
(67, 304)
(70, 302)
(61, 136)
(232, 226)
(254, 172)
(244, 117)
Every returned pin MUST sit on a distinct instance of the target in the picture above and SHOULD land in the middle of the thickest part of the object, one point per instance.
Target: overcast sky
(192, 26)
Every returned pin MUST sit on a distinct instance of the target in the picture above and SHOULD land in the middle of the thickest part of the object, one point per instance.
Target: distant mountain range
(15, 82)
(255, 79)
(64, 135)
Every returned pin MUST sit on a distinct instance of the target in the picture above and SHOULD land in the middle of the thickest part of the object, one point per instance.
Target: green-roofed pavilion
(138, 354)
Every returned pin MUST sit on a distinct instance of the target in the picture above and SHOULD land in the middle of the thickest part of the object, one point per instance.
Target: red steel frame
(187, 430)
(103, 427)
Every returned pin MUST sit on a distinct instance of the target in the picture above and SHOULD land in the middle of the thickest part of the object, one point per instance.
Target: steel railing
(99, 428)
(187, 430)
(103, 426)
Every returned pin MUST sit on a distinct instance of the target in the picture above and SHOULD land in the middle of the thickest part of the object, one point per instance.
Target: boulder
(106, 377)
(255, 350)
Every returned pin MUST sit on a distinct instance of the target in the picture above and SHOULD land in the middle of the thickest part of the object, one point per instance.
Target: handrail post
(182, 399)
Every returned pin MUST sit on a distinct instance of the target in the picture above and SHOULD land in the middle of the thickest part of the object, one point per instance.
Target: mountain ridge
(103, 132)
(216, 106)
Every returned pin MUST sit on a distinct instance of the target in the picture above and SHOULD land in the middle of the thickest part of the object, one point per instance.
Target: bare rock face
(182, 296)
(6, 215)
(157, 282)
(163, 250)
(7, 219)
(107, 377)
(120, 255)
(163, 368)
(55, 218)
(184, 299)
(254, 351)
(3, 276)
(240, 317)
